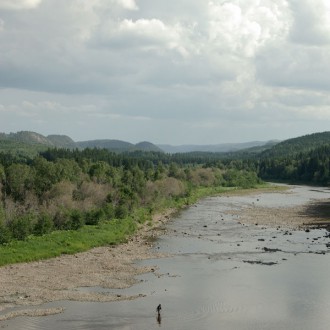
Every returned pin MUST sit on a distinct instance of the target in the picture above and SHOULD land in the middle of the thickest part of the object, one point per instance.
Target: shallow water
(222, 275)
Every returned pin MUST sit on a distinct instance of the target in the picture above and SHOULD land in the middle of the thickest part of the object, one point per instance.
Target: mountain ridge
(273, 148)
(222, 147)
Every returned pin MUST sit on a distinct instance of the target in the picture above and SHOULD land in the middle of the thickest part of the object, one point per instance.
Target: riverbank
(36, 283)
(314, 214)
(61, 278)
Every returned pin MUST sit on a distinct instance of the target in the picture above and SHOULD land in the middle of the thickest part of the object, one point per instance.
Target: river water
(220, 275)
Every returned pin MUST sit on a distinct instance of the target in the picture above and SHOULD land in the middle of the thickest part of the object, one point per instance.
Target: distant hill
(34, 142)
(147, 146)
(30, 143)
(62, 141)
(118, 145)
(225, 147)
(29, 138)
(302, 144)
(20, 149)
(113, 145)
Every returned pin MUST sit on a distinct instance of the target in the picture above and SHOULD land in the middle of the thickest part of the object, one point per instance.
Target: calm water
(220, 276)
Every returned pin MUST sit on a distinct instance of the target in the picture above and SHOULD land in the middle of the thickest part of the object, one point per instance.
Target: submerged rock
(259, 262)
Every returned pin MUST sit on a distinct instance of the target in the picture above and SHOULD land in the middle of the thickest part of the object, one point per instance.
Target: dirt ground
(28, 285)
(313, 214)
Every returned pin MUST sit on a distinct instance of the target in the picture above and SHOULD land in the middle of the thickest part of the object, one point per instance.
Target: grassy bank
(106, 233)
(66, 242)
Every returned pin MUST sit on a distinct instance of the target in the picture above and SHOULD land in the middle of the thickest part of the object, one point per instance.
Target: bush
(21, 227)
(4, 233)
(94, 217)
(109, 211)
(68, 219)
(44, 225)
(76, 220)
(121, 212)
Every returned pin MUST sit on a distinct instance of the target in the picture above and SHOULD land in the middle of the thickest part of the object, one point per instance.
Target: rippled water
(222, 275)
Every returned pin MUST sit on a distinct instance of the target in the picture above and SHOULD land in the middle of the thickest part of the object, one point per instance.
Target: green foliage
(308, 167)
(240, 178)
(66, 219)
(45, 175)
(95, 216)
(63, 194)
(43, 225)
(19, 179)
(20, 151)
(108, 211)
(121, 211)
(4, 230)
(21, 227)
(302, 144)
(141, 215)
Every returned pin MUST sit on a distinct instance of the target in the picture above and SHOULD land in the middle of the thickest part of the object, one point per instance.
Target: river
(220, 275)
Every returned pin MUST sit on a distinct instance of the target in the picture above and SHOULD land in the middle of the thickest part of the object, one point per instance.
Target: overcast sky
(165, 71)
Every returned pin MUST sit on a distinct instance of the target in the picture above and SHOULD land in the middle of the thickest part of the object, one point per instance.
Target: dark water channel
(222, 275)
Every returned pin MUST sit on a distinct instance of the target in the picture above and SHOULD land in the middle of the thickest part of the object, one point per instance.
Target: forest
(62, 189)
(310, 167)
(75, 199)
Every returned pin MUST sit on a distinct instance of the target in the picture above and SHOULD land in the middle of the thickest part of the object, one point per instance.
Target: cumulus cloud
(19, 4)
(142, 35)
(185, 64)
(311, 24)
(243, 29)
(129, 4)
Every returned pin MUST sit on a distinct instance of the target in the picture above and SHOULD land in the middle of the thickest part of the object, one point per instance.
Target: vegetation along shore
(63, 209)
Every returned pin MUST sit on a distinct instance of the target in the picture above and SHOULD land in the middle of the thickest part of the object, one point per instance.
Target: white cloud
(19, 4)
(243, 27)
(128, 4)
(311, 21)
(223, 65)
(143, 35)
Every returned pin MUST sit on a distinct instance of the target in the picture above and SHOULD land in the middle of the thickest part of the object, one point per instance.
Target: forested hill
(26, 143)
(30, 143)
(300, 160)
(292, 147)
(118, 145)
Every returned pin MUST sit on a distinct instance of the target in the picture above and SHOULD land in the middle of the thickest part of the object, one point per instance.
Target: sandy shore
(31, 284)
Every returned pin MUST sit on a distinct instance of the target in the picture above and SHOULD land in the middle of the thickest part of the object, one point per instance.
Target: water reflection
(159, 319)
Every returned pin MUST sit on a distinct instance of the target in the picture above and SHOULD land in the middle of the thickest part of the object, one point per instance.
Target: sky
(165, 71)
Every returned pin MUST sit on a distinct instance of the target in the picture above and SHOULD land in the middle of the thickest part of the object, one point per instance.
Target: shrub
(94, 217)
(44, 225)
(68, 219)
(21, 226)
(76, 220)
(4, 233)
(109, 211)
(121, 212)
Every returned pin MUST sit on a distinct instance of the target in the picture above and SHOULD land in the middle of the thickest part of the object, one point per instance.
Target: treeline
(300, 145)
(67, 189)
(124, 158)
(312, 167)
